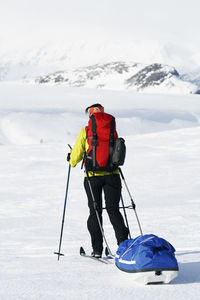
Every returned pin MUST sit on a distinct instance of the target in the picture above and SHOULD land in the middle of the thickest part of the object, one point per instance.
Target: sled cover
(146, 253)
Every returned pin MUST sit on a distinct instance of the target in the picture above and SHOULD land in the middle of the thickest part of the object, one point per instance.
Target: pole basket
(59, 254)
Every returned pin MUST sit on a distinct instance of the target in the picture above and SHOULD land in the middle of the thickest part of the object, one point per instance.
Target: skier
(100, 180)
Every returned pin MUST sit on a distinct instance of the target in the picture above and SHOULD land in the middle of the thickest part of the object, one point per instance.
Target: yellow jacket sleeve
(78, 149)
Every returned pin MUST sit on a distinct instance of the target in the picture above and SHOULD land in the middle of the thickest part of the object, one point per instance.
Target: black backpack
(119, 152)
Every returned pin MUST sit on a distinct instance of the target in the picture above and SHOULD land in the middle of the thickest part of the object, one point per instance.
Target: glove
(68, 156)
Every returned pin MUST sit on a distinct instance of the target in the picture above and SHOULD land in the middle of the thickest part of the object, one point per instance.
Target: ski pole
(132, 202)
(63, 218)
(125, 216)
(97, 214)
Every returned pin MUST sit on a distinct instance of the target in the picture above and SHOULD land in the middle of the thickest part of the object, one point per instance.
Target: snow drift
(162, 170)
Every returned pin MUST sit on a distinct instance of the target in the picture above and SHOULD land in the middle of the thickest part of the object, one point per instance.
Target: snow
(162, 172)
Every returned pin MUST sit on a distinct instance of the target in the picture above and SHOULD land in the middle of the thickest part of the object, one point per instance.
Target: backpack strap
(111, 141)
(85, 153)
(94, 141)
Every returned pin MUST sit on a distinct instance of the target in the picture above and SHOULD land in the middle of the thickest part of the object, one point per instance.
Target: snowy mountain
(121, 76)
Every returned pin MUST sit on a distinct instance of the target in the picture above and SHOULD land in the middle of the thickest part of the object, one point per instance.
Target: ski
(102, 260)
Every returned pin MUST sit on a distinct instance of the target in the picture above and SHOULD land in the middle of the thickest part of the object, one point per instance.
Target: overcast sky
(41, 20)
(92, 31)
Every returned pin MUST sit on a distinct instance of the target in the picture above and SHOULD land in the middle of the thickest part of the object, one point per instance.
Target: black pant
(111, 184)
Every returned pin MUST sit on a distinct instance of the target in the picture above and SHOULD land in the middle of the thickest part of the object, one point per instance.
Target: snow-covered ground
(162, 171)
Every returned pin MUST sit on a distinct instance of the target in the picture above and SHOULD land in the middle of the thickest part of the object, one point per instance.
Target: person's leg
(92, 223)
(112, 191)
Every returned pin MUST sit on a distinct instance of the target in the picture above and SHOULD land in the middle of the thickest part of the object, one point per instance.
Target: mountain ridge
(104, 64)
(120, 75)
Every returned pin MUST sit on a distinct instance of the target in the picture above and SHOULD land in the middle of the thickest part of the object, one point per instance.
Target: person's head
(95, 108)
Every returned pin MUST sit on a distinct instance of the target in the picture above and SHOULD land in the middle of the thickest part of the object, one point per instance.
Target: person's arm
(78, 149)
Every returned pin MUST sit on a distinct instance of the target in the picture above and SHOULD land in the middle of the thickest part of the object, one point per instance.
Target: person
(100, 181)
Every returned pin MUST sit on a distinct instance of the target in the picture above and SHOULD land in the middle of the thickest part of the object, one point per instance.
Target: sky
(41, 20)
(167, 28)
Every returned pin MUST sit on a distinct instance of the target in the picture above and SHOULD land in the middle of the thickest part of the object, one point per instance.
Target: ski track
(162, 171)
